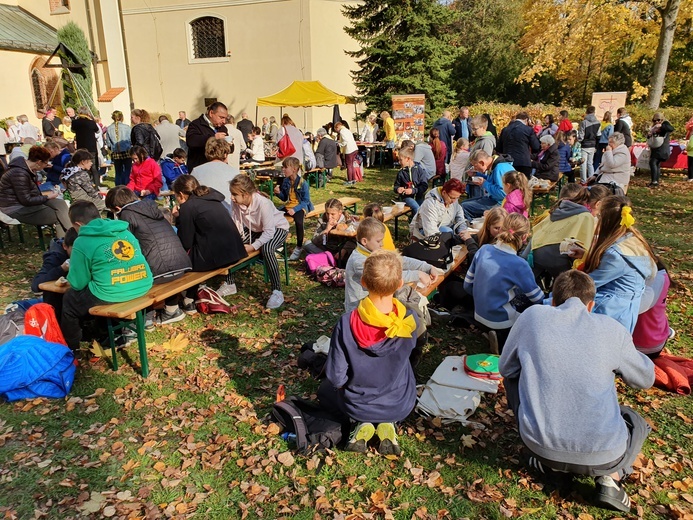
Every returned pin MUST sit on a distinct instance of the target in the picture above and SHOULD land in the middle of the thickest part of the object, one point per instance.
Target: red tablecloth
(678, 159)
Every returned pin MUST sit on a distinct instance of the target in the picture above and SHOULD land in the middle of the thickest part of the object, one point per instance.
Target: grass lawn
(192, 440)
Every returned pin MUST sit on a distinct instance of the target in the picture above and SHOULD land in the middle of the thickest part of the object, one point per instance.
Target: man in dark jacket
(49, 124)
(211, 124)
(519, 141)
(85, 129)
(245, 125)
(623, 125)
(588, 135)
(447, 132)
(462, 124)
(182, 120)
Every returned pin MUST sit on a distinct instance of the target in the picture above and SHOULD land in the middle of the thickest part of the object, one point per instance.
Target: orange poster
(408, 112)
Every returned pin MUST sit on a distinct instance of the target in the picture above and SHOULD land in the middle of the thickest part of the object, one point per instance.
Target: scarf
(396, 324)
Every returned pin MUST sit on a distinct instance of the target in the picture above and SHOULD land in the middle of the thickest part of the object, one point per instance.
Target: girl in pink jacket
(518, 194)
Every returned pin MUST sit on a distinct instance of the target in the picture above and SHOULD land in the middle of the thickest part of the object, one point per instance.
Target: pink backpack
(315, 260)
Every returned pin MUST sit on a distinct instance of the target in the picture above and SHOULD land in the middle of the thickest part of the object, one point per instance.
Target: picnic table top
(396, 212)
(459, 258)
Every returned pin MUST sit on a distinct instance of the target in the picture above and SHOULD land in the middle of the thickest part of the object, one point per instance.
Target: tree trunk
(669, 13)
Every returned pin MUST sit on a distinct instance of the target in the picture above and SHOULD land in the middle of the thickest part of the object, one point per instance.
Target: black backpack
(316, 429)
(435, 250)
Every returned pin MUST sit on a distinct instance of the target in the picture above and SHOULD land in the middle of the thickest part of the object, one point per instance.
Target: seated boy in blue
(55, 264)
(410, 183)
(106, 266)
(173, 166)
(559, 364)
(491, 170)
(368, 364)
(369, 239)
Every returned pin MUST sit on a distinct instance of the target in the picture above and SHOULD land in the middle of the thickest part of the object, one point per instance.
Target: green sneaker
(358, 442)
(388, 440)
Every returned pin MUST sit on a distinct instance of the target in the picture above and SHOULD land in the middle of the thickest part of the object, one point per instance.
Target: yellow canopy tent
(304, 94)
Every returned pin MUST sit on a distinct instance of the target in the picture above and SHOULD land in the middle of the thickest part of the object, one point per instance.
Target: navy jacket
(59, 162)
(564, 152)
(374, 384)
(302, 189)
(414, 177)
(52, 260)
(517, 139)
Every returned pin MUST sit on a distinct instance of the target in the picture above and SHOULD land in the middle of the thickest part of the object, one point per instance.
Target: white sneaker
(296, 254)
(275, 300)
(227, 289)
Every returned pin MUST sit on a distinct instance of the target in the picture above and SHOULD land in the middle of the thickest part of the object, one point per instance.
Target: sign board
(608, 101)
(409, 112)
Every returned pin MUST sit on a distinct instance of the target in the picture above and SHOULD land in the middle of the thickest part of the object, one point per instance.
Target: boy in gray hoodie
(559, 363)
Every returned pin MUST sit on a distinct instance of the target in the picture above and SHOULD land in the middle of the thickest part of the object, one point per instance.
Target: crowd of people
(584, 259)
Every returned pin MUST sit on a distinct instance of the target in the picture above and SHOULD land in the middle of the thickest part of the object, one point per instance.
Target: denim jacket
(620, 280)
(302, 193)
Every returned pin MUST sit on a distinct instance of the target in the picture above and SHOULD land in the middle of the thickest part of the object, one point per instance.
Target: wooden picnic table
(394, 214)
(429, 291)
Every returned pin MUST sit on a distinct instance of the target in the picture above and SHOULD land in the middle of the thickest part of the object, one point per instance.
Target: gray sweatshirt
(354, 292)
(565, 359)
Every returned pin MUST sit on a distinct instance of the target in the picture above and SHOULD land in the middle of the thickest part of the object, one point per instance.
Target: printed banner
(608, 101)
(408, 112)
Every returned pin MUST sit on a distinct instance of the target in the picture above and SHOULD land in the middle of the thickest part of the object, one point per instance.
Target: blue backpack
(31, 367)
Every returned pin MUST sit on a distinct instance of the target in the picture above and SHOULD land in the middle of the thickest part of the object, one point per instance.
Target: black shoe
(653, 185)
(165, 317)
(611, 495)
(439, 316)
(189, 308)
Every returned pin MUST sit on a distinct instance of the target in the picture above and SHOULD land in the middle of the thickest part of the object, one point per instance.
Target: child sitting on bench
(369, 376)
(559, 363)
(106, 266)
(55, 264)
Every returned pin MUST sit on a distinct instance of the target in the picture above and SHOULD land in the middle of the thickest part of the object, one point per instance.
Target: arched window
(38, 88)
(208, 38)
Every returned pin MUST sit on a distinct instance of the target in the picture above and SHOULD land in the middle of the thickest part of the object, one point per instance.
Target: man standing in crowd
(245, 125)
(461, 124)
(70, 112)
(26, 129)
(518, 140)
(182, 120)
(85, 129)
(447, 131)
(588, 134)
(199, 131)
(49, 124)
(168, 135)
(623, 125)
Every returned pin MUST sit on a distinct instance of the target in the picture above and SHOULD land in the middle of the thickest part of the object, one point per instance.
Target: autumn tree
(404, 48)
(592, 43)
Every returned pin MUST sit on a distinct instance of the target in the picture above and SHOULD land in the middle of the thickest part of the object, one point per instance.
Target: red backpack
(209, 302)
(40, 321)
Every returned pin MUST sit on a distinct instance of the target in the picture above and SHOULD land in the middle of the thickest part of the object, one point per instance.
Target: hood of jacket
(488, 136)
(102, 227)
(437, 194)
(69, 172)
(567, 208)
(371, 338)
(147, 208)
(501, 158)
(626, 119)
(592, 119)
(20, 163)
(213, 195)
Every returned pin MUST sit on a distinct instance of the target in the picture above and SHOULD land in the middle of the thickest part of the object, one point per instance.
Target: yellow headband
(627, 219)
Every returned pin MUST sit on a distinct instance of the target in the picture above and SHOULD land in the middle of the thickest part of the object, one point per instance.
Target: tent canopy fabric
(304, 94)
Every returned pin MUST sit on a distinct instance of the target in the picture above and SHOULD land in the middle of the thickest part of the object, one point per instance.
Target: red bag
(40, 321)
(285, 148)
(209, 302)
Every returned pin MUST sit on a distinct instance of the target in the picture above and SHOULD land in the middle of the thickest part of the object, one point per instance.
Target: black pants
(76, 305)
(267, 253)
(638, 430)
(527, 170)
(655, 169)
(299, 217)
(122, 171)
(690, 167)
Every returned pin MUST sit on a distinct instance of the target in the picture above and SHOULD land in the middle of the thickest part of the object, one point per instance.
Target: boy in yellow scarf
(369, 376)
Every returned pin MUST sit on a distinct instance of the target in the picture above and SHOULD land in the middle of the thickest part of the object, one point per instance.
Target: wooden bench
(317, 176)
(134, 310)
(394, 214)
(546, 192)
(349, 204)
(429, 291)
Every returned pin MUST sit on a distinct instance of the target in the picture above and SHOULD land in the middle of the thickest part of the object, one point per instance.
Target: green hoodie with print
(107, 258)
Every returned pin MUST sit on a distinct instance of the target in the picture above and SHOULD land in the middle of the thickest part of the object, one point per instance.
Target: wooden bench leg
(111, 341)
(42, 244)
(142, 342)
(21, 234)
(397, 227)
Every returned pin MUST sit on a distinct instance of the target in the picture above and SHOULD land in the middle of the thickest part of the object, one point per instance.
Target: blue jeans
(413, 203)
(474, 208)
(587, 167)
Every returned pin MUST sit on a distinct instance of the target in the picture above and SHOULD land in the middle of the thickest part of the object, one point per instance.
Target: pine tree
(404, 49)
(73, 37)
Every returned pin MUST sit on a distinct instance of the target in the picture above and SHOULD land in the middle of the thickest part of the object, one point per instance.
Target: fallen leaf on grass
(286, 458)
(98, 351)
(176, 343)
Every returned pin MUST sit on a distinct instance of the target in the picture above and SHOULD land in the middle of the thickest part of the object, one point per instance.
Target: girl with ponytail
(619, 261)
(501, 282)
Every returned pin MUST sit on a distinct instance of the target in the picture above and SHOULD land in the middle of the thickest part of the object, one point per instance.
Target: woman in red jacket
(145, 177)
